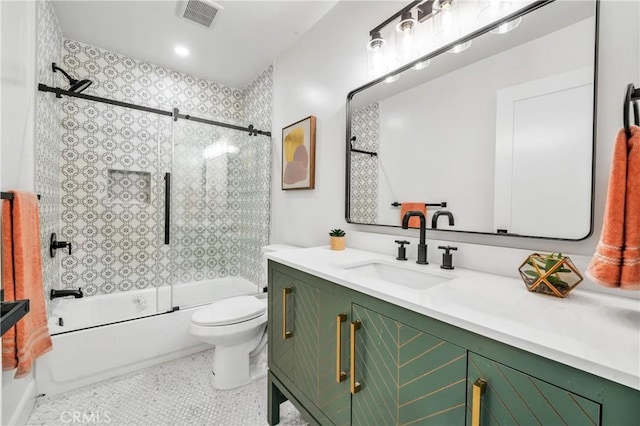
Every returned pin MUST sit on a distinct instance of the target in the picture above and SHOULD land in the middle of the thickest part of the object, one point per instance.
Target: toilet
(236, 326)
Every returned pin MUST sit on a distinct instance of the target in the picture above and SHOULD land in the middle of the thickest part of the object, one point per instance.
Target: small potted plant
(337, 239)
(552, 274)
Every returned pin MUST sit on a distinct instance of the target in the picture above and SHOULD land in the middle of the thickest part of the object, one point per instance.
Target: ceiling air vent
(201, 12)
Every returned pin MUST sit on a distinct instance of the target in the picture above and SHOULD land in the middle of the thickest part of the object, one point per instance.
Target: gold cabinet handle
(285, 334)
(478, 390)
(340, 375)
(355, 386)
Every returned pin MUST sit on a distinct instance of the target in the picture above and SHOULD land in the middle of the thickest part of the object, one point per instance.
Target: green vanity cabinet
(405, 376)
(499, 395)
(344, 357)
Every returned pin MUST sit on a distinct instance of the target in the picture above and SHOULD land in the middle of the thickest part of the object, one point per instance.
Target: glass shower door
(215, 179)
(112, 203)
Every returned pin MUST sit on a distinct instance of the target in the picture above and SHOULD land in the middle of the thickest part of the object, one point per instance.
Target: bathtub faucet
(63, 293)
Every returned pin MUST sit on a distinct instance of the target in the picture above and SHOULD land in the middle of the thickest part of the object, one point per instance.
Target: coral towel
(414, 222)
(616, 262)
(22, 279)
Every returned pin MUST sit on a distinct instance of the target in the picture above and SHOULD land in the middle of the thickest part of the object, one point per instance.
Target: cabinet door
(406, 376)
(305, 339)
(307, 354)
(281, 312)
(511, 397)
(334, 398)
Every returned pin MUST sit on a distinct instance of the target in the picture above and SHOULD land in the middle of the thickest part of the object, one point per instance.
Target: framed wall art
(298, 154)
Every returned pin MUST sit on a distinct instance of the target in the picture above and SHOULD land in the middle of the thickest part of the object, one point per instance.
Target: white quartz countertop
(593, 332)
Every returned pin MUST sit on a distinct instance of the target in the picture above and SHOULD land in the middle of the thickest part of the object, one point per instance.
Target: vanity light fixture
(492, 10)
(447, 25)
(446, 21)
(375, 55)
(409, 28)
(423, 26)
(405, 37)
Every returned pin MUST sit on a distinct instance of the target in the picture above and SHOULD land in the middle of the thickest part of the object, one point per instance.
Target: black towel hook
(632, 95)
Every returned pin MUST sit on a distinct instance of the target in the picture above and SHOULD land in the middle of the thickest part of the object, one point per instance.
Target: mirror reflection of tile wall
(365, 124)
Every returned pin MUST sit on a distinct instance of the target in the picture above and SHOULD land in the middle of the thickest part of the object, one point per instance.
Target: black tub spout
(63, 293)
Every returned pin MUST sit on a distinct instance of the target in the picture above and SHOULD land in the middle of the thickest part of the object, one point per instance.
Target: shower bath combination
(116, 158)
(74, 85)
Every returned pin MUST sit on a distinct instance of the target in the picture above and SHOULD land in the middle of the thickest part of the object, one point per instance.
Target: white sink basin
(396, 274)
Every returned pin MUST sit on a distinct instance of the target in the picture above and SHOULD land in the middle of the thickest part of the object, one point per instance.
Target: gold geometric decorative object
(552, 274)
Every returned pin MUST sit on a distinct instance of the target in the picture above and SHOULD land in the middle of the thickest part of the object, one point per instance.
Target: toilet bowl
(236, 326)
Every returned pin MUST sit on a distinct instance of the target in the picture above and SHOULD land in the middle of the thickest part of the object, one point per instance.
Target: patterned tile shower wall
(117, 239)
(120, 241)
(205, 204)
(131, 80)
(255, 183)
(49, 45)
(364, 168)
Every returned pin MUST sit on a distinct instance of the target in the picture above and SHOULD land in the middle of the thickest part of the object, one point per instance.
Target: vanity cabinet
(350, 358)
(499, 395)
(403, 375)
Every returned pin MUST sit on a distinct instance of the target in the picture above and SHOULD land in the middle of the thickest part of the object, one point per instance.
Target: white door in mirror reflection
(538, 193)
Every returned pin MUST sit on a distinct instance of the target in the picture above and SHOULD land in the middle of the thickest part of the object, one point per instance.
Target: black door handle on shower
(167, 206)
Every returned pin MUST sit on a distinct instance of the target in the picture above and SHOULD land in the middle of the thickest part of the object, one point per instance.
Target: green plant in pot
(337, 239)
(552, 274)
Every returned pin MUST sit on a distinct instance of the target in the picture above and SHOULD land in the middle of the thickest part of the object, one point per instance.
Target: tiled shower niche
(127, 186)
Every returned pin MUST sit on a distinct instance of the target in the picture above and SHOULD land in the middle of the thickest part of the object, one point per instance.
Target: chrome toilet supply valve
(447, 257)
(55, 245)
(402, 250)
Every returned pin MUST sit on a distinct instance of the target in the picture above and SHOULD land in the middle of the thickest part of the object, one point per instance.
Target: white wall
(315, 75)
(313, 78)
(17, 86)
(18, 93)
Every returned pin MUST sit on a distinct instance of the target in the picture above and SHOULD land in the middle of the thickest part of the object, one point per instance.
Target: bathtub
(100, 337)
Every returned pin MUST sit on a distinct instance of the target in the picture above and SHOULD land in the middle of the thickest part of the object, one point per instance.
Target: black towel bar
(631, 96)
(9, 196)
(442, 204)
(361, 151)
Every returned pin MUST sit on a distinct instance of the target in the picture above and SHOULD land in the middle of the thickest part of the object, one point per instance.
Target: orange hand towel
(22, 279)
(616, 262)
(630, 277)
(414, 222)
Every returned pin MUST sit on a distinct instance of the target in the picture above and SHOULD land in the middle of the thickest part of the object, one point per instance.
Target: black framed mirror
(501, 135)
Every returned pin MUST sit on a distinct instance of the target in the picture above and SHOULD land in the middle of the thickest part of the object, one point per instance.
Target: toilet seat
(229, 311)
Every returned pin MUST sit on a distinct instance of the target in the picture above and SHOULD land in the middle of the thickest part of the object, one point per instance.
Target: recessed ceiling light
(181, 50)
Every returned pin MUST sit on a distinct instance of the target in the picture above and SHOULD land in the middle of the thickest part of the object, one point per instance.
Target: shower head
(79, 86)
(74, 85)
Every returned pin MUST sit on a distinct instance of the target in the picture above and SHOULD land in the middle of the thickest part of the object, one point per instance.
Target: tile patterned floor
(173, 393)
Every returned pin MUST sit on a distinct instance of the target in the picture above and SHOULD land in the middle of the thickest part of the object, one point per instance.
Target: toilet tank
(270, 249)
